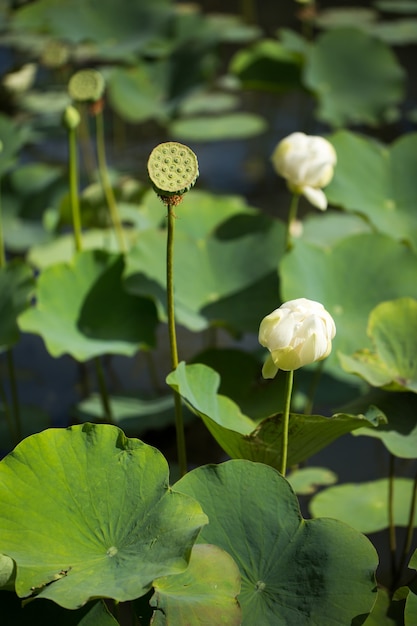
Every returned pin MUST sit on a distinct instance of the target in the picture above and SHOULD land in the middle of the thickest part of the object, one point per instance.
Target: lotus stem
(105, 180)
(179, 421)
(391, 522)
(289, 379)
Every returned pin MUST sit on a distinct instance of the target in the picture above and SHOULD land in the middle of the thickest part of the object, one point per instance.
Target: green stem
(14, 394)
(73, 188)
(105, 181)
(410, 532)
(2, 251)
(104, 395)
(391, 522)
(289, 379)
(179, 422)
(292, 214)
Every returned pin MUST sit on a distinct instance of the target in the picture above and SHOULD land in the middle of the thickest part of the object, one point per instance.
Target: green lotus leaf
(306, 480)
(89, 513)
(364, 506)
(336, 277)
(239, 125)
(205, 594)
(267, 65)
(377, 181)
(399, 32)
(392, 328)
(356, 78)
(135, 93)
(13, 137)
(294, 571)
(242, 437)
(227, 266)
(83, 310)
(379, 614)
(6, 571)
(410, 612)
(16, 288)
(397, 6)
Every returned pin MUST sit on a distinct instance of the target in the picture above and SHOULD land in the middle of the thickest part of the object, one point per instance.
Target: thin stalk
(86, 144)
(289, 379)
(14, 394)
(73, 187)
(410, 532)
(104, 395)
(179, 421)
(9, 356)
(292, 214)
(8, 415)
(105, 181)
(391, 523)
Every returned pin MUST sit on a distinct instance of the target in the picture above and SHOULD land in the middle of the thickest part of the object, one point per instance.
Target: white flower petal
(316, 197)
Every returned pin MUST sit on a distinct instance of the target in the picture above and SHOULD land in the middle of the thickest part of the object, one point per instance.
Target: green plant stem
(2, 251)
(104, 395)
(14, 394)
(391, 522)
(73, 188)
(105, 181)
(179, 421)
(289, 379)
(410, 532)
(292, 215)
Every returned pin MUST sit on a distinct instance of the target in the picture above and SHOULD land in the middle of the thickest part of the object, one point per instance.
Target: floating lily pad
(82, 309)
(16, 288)
(392, 328)
(364, 506)
(377, 181)
(399, 32)
(306, 480)
(244, 438)
(304, 571)
(218, 127)
(397, 6)
(88, 513)
(349, 279)
(356, 78)
(205, 594)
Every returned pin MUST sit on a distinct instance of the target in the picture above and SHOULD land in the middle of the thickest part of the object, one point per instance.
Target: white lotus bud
(307, 163)
(298, 333)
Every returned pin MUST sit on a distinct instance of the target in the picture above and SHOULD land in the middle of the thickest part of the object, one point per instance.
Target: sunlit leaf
(355, 77)
(364, 506)
(205, 594)
(254, 515)
(377, 181)
(106, 525)
(82, 309)
(392, 328)
(242, 437)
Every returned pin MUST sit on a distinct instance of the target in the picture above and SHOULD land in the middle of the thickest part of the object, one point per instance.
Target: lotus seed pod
(71, 118)
(172, 169)
(86, 86)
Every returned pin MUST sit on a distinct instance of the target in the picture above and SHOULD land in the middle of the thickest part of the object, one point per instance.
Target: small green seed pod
(86, 86)
(172, 169)
(71, 118)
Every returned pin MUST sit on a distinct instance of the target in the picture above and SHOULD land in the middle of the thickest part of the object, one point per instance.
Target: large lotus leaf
(325, 229)
(206, 270)
(241, 437)
(135, 93)
(410, 612)
(392, 328)
(203, 595)
(379, 614)
(83, 310)
(238, 125)
(88, 513)
(306, 480)
(294, 571)
(399, 435)
(377, 181)
(399, 32)
(355, 77)
(6, 571)
(350, 279)
(267, 65)
(339, 17)
(364, 506)
(16, 288)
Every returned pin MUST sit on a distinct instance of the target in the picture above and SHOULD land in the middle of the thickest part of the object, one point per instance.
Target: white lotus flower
(307, 163)
(298, 333)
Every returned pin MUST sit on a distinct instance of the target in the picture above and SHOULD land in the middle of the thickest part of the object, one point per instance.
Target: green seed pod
(71, 118)
(172, 169)
(86, 86)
